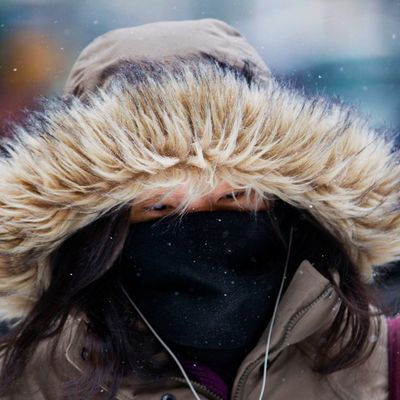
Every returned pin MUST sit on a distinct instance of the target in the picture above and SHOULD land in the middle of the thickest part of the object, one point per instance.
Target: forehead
(178, 192)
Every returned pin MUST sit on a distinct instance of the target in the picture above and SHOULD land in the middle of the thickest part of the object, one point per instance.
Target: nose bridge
(205, 202)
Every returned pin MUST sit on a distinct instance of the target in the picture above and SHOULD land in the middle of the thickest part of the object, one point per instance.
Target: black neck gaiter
(206, 281)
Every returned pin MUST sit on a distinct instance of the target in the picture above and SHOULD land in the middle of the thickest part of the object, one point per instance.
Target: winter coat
(88, 155)
(306, 309)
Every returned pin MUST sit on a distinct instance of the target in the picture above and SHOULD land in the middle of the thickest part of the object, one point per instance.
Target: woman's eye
(157, 207)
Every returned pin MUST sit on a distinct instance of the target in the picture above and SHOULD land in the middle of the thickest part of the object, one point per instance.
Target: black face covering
(207, 281)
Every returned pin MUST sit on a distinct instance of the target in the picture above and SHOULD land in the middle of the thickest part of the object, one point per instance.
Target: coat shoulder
(369, 380)
(46, 369)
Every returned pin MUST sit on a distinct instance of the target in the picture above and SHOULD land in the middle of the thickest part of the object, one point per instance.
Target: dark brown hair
(347, 341)
(81, 269)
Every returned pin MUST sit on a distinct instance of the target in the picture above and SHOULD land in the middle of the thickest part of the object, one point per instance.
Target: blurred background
(347, 48)
(344, 48)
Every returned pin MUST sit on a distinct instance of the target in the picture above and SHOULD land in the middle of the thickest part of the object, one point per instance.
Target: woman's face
(221, 198)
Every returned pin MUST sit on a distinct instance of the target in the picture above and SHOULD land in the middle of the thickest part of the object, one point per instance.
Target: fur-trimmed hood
(189, 120)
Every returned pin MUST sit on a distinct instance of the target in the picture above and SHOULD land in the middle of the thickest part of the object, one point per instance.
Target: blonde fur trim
(78, 161)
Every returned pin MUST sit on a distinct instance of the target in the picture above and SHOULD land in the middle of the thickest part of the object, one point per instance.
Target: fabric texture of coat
(110, 139)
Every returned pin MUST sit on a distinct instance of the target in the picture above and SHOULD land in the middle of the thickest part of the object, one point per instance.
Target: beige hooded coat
(94, 156)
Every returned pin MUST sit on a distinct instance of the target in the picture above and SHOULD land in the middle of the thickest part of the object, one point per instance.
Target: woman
(181, 226)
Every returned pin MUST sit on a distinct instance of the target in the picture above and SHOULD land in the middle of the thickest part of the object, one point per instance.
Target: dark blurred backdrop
(349, 48)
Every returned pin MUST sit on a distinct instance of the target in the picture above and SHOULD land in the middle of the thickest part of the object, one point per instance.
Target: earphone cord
(267, 347)
(164, 344)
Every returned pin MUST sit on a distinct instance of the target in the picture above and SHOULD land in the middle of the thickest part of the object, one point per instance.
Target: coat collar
(307, 306)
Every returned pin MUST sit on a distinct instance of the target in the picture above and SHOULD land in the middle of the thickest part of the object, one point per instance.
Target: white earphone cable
(267, 347)
(164, 344)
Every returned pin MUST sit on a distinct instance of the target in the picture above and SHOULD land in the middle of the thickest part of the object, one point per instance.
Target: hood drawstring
(196, 396)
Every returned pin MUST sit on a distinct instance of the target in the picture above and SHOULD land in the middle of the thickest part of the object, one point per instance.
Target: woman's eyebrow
(145, 202)
(156, 199)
